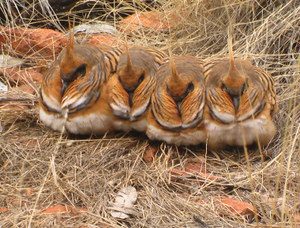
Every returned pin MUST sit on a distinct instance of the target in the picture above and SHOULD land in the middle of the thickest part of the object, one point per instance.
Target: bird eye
(223, 87)
(81, 70)
(142, 77)
(244, 87)
(190, 87)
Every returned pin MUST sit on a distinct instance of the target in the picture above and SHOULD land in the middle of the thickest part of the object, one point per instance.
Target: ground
(53, 180)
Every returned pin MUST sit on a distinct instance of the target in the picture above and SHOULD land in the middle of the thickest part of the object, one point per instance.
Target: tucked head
(178, 85)
(75, 61)
(134, 66)
(234, 82)
(130, 74)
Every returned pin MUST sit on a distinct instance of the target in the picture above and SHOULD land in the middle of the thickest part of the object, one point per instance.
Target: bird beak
(236, 102)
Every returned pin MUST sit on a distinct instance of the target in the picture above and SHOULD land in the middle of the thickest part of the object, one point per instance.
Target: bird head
(178, 87)
(234, 82)
(74, 64)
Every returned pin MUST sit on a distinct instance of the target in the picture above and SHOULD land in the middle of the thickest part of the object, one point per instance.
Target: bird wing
(118, 98)
(84, 91)
(141, 97)
(165, 110)
(192, 107)
(251, 103)
(220, 105)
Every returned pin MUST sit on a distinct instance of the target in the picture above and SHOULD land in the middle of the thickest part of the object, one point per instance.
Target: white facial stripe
(51, 102)
(139, 111)
(249, 113)
(224, 117)
(73, 101)
(120, 110)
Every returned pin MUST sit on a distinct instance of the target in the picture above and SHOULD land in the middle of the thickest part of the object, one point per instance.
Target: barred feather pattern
(251, 121)
(260, 89)
(83, 91)
(189, 113)
(79, 95)
(112, 57)
(50, 92)
(132, 107)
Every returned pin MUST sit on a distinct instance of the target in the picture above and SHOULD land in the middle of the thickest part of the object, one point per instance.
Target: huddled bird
(181, 100)
(71, 92)
(240, 102)
(178, 101)
(130, 88)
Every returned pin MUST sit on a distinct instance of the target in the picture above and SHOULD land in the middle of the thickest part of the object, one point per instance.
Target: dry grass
(88, 172)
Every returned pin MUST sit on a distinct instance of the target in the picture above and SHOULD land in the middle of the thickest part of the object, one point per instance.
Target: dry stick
(7, 99)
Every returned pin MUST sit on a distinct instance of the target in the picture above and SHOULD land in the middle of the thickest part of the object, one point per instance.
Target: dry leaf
(9, 61)
(123, 206)
(3, 87)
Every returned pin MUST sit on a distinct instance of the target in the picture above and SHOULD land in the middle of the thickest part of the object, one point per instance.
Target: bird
(240, 102)
(177, 103)
(71, 93)
(131, 87)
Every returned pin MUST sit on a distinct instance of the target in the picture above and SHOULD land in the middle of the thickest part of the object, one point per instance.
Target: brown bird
(177, 103)
(240, 101)
(71, 93)
(130, 88)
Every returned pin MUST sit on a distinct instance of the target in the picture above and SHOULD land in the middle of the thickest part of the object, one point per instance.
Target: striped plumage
(131, 87)
(177, 103)
(71, 92)
(183, 101)
(240, 101)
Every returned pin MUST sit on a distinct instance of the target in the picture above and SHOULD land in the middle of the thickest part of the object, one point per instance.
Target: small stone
(154, 21)
(3, 209)
(150, 153)
(125, 199)
(26, 89)
(238, 207)
(95, 28)
(105, 39)
(21, 76)
(193, 169)
(69, 143)
(60, 209)
(36, 43)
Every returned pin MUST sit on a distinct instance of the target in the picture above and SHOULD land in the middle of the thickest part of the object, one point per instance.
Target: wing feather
(84, 91)
(192, 108)
(220, 105)
(141, 97)
(251, 103)
(165, 110)
(118, 99)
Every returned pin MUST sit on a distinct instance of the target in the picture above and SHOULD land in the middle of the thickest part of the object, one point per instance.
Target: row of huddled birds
(182, 100)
